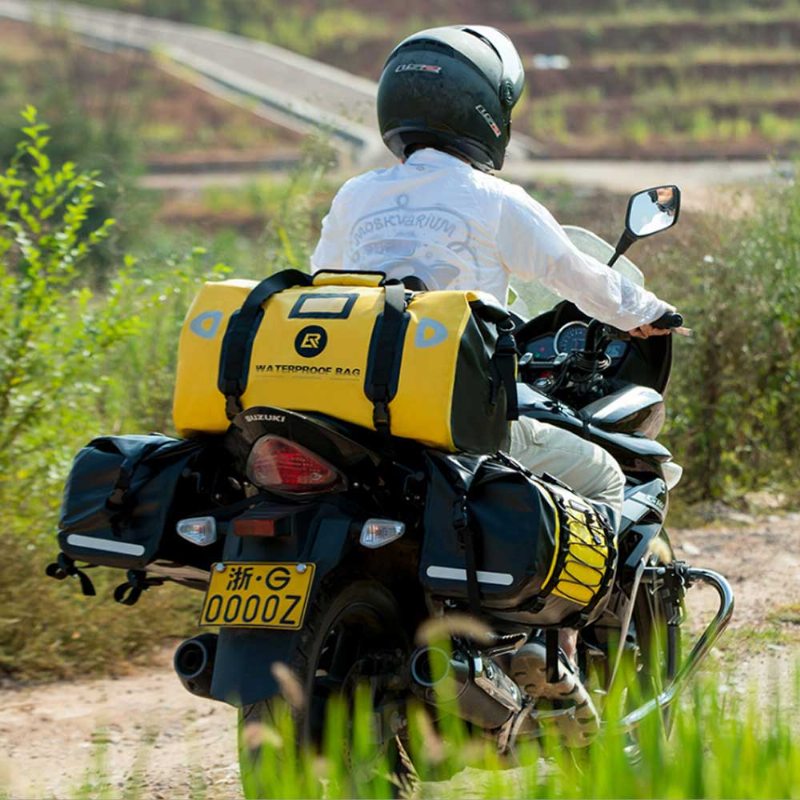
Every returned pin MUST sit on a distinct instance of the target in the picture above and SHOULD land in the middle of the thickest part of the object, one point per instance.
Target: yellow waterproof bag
(437, 367)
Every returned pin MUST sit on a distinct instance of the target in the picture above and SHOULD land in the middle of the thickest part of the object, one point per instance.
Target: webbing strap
(135, 453)
(466, 536)
(471, 564)
(505, 368)
(237, 345)
(386, 355)
(551, 654)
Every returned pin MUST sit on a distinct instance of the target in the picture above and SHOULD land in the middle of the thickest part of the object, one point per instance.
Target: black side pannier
(119, 497)
(512, 545)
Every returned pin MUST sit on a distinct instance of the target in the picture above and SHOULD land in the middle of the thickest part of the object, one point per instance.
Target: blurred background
(219, 131)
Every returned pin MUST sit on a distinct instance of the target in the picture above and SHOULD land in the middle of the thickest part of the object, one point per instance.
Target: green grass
(724, 745)
(789, 614)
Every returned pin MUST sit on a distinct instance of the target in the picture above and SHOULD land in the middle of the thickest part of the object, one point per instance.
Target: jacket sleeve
(533, 246)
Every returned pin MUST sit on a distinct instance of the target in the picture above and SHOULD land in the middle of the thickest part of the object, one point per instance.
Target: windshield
(537, 299)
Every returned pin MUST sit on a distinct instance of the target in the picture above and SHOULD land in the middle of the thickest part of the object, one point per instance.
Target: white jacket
(455, 227)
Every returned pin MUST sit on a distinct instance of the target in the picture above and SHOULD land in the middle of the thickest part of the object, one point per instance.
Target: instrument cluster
(568, 338)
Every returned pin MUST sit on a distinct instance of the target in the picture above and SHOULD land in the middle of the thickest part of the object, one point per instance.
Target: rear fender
(243, 666)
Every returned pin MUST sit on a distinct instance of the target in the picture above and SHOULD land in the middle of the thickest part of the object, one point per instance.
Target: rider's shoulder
(357, 182)
(516, 199)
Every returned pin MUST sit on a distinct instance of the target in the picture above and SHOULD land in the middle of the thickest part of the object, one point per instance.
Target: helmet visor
(513, 71)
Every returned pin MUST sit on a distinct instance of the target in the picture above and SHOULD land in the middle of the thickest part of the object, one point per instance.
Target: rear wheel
(353, 635)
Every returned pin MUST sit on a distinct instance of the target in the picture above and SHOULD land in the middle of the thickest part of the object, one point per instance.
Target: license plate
(258, 595)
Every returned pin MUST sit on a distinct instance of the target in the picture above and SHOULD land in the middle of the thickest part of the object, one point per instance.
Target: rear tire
(350, 631)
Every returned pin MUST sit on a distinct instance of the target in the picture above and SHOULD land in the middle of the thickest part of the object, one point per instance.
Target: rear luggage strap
(64, 567)
(237, 345)
(384, 369)
(504, 365)
(468, 537)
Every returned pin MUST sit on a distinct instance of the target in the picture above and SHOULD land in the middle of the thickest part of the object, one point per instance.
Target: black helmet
(452, 88)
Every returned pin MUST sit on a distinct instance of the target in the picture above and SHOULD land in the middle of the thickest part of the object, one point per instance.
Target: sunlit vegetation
(705, 77)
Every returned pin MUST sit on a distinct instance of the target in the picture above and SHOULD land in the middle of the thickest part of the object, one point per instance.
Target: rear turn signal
(201, 531)
(376, 533)
(278, 465)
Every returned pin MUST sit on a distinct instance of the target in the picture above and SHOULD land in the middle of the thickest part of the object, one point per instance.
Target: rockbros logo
(311, 341)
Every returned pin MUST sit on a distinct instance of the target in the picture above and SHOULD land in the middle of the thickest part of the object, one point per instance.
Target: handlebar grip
(669, 320)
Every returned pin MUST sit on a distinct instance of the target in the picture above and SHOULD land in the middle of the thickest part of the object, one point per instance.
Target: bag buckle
(233, 406)
(380, 416)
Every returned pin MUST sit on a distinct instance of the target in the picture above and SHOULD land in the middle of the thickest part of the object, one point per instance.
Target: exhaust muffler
(474, 688)
(194, 663)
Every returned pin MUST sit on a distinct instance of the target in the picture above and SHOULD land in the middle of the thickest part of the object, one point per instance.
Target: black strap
(466, 537)
(551, 654)
(120, 501)
(386, 353)
(65, 568)
(504, 366)
(128, 593)
(237, 345)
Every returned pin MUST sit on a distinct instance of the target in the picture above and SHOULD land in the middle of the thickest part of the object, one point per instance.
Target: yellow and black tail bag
(437, 367)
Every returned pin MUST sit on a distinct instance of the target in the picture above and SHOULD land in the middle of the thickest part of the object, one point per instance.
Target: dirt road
(147, 730)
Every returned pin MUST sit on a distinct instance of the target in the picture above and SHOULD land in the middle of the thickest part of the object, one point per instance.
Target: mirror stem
(625, 241)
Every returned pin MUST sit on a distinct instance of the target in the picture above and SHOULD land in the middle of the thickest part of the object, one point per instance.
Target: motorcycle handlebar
(669, 320)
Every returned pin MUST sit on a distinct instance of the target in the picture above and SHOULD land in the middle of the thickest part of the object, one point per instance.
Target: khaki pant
(584, 467)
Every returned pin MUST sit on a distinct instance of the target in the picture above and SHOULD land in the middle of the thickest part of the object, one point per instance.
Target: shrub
(51, 326)
(733, 419)
(70, 369)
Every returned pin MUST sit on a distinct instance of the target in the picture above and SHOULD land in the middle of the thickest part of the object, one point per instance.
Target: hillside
(164, 120)
(698, 78)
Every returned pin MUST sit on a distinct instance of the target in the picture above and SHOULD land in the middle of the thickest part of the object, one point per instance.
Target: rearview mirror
(652, 211)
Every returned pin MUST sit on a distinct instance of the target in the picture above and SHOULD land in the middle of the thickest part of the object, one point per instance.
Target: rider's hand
(645, 331)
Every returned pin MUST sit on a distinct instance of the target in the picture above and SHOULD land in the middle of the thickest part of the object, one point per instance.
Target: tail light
(278, 465)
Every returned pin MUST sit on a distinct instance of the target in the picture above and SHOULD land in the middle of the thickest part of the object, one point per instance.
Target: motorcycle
(306, 535)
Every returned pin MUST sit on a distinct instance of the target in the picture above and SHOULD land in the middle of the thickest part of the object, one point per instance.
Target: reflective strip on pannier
(436, 367)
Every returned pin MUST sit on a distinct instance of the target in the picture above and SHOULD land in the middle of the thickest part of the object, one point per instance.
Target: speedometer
(571, 337)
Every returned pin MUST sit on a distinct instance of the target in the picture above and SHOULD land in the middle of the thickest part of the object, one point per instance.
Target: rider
(444, 108)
